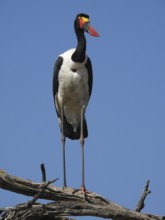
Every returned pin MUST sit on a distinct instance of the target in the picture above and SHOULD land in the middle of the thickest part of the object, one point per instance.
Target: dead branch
(43, 172)
(146, 191)
(67, 203)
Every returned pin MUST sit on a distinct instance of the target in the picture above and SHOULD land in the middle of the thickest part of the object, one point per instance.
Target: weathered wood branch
(67, 203)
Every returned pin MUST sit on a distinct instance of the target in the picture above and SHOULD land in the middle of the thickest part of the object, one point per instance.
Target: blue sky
(126, 113)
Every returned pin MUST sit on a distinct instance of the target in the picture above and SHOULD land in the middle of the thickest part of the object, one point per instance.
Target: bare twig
(42, 187)
(43, 172)
(146, 191)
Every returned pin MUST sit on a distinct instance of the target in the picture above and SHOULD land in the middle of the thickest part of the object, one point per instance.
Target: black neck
(79, 54)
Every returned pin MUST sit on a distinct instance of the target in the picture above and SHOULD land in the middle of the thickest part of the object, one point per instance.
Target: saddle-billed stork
(72, 87)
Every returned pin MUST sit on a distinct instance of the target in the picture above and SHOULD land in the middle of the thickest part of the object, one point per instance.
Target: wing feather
(90, 75)
(55, 85)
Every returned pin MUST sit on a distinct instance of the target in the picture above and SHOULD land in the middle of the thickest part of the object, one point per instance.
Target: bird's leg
(83, 189)
(82, 148)
(63, 146)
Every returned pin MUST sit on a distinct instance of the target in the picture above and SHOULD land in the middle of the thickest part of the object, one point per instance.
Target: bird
(72, 88)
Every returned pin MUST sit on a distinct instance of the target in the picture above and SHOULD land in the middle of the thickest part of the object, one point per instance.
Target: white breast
(73, 90)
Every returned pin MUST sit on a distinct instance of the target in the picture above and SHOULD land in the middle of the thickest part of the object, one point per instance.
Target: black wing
(56, 70)
(90, 75)
(57, 67)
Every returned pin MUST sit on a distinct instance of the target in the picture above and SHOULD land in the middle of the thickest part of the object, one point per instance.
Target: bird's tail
(74, 135)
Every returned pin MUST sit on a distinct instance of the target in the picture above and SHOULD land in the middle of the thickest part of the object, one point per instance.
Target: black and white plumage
(72, 86)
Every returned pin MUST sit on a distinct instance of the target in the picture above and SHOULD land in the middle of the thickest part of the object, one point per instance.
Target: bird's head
(82, 23)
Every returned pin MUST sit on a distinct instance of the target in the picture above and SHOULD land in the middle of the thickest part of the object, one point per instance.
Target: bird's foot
(64, 186)
(83, 191)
